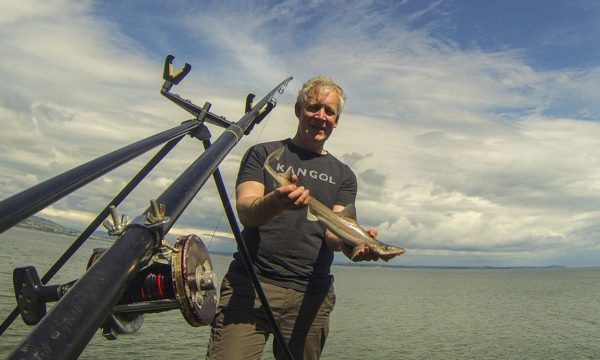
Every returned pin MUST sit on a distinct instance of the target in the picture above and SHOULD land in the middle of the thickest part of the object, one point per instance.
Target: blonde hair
(320, 84)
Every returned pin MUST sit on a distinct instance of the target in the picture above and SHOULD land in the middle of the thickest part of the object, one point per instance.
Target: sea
(381, 312)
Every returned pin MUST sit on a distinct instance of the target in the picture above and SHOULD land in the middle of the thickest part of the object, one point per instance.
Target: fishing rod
(67, 328)
(93, 226)
(28, 202)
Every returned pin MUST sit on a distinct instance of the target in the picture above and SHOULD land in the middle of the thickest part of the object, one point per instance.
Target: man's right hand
(292, 197)
(255, 209)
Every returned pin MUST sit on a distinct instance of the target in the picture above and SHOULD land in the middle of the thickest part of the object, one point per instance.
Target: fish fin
(355, 251)
(310, 216)
(348, 212)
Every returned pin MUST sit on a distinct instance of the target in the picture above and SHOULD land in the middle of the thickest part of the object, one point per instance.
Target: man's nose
(321, 113)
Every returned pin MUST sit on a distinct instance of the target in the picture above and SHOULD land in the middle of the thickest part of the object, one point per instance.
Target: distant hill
(41, 224)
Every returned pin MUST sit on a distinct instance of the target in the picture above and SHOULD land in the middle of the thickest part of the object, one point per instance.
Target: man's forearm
(256, 211)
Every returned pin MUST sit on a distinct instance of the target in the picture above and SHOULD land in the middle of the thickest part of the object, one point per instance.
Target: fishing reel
(179, 277)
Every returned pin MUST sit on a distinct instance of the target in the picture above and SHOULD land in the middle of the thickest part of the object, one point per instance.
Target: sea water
(381, 313)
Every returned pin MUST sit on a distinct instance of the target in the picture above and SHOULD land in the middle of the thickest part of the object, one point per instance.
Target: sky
(473, 126)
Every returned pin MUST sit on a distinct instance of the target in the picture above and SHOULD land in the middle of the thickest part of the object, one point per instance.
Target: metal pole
(183, 190)
(64, 332)
(24, 204)
(67, 328)
(96, 222)
(243, 250)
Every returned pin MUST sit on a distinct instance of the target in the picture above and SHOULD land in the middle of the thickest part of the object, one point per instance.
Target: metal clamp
(117, 225)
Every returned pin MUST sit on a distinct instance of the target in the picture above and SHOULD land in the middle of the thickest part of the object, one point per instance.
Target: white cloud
(463, 156)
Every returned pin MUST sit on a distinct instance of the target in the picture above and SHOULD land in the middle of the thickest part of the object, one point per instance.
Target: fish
(343, 224)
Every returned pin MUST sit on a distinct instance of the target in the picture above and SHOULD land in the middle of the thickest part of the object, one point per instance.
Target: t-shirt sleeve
(251, 166)
(348, 189)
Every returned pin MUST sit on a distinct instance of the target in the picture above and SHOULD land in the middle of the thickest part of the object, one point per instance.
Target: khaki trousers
(240, 328)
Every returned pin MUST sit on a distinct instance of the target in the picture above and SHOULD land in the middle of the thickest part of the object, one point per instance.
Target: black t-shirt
(290, 251)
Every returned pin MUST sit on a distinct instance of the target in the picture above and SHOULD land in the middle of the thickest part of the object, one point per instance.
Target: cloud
(463, 155)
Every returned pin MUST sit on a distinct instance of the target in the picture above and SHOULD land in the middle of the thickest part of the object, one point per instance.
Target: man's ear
(298, 109)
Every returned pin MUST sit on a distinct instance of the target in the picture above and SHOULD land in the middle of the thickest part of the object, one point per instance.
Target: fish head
(387, 252)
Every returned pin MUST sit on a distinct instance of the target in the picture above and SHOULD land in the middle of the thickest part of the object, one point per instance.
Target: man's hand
(365, 253)
(256, 209)
(292, 197)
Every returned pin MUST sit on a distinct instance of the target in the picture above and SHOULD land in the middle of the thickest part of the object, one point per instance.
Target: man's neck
(316, 148)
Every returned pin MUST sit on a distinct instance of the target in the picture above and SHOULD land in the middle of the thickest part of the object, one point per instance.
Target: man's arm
(255, 208)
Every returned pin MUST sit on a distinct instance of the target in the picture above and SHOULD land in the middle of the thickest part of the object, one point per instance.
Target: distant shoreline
(40, 224)
(37, 223)
(450, 267)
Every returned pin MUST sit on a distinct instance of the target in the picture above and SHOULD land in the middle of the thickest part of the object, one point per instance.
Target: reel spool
(194, 280)
(181, 278)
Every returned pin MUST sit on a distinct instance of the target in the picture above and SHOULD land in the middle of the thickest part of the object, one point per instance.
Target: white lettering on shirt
(303, 172)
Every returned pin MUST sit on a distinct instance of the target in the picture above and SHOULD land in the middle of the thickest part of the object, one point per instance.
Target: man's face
(318, 117)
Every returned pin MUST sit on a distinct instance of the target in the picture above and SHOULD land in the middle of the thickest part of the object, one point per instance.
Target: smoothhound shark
(342, 224)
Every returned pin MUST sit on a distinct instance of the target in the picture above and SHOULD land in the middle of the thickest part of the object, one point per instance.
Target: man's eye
(329, 111)
(313, 108)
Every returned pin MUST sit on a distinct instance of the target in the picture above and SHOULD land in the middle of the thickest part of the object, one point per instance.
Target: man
(291, 255)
